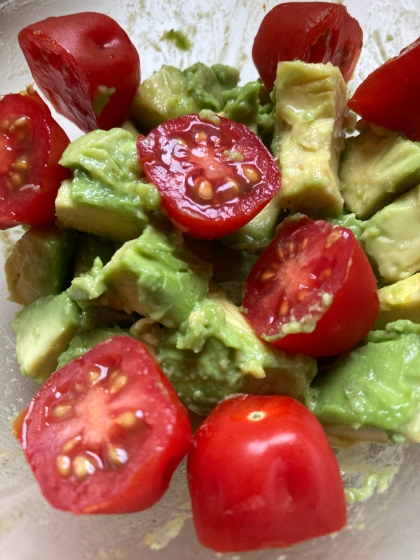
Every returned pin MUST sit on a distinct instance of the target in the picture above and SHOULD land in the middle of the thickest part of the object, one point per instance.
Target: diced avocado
(391, 238)
(227, 76)
(309, 136)
(216, 353)
(154, 275)
(90, 247)
(375, 167)
(399, 301)
(100, 316)
(372, 392)
(41, 264)
(161, 97)
(44, 330)
(256, 235)
(108, 195)
(84, 341)
(351, 222)
(202, 85)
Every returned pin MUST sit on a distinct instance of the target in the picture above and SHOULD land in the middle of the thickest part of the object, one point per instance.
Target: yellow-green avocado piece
(399, 301)
(372, 393)
(155, 275)
(216, 353)
(309, 136)
(375, 167)
(41, 263)
(391, 238)
(44, 330)
(108, 195)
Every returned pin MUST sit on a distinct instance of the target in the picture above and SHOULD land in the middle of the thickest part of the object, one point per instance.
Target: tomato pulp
(214, 175)
(262, 474)
(105, 433)
(31, 145)
(313, 290)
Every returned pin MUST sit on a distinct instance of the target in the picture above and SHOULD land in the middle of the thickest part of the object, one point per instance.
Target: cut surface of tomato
(214, 175)
(389, 96)
(261, 474)
(31, 145)
(312, 291)
(105, 433)
(308, 31)
(86, 66)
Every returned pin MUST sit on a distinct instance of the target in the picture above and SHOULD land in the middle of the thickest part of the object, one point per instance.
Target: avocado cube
(309, 136)
(154, 275)
(391, 238)
(372, 393)
(44, 330)
(41, 263)
(399, 301)
(375, 167)
(108, 195)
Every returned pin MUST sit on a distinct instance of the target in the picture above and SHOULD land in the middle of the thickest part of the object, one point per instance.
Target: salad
(155, 281)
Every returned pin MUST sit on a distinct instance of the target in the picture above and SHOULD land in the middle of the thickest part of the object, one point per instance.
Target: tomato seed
(4, 126)
(332, 238)
(251, 173)
(302, 295)
(19, 124)
(204, 188)
(182, 142)
(63, 465)
(94, 376)
(20, 165)
(116, 455)
(62, 410)
(281, 254)
(16, 180)
(83, 467)
(201, 137)
(71, 444)
(284, 308)
(304, 244)
(119, 382)
(325, 274)
(127, 419)
(267, 275)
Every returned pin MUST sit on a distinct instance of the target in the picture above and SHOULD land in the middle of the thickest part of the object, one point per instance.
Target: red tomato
(262, 474)
(390, 95)
(31, 145)
(86, 66)
(214, 175)
(312, 291)
(105, 433)
(307, 31)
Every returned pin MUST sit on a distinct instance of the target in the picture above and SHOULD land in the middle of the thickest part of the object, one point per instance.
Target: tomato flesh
(308, 31)
(214, 175)
(86, 66)
(31, 145)
(105, 433)
(313, 290)
(261, 474)
(389, 96)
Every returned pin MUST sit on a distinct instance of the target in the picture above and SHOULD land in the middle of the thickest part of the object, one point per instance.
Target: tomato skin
(268, 482)
(84, 52)
(389, 96)
(37, 144)
(214, 175)
(350, 281)
(100, 421)
(308, 31)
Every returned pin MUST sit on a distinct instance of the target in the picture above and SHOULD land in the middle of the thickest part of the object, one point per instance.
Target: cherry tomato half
(105, 433)
(390, 95)
(261, 473)
(86, 66)
(312, 291)
(31, 145)
(308, 31)
(214, 175)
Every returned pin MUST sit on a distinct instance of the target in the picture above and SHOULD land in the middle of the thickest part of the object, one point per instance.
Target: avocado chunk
(216, 353)
(391, 238)
(377, 166)
(84, 341)
(372, 392)
(399, 301)
(108, 195)
(88, 248)
(203, 86)
(154, 275)
(44, 330)
(349, 221)
(255, 236)
(41, 263)
(309, 136)
(227, 76)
